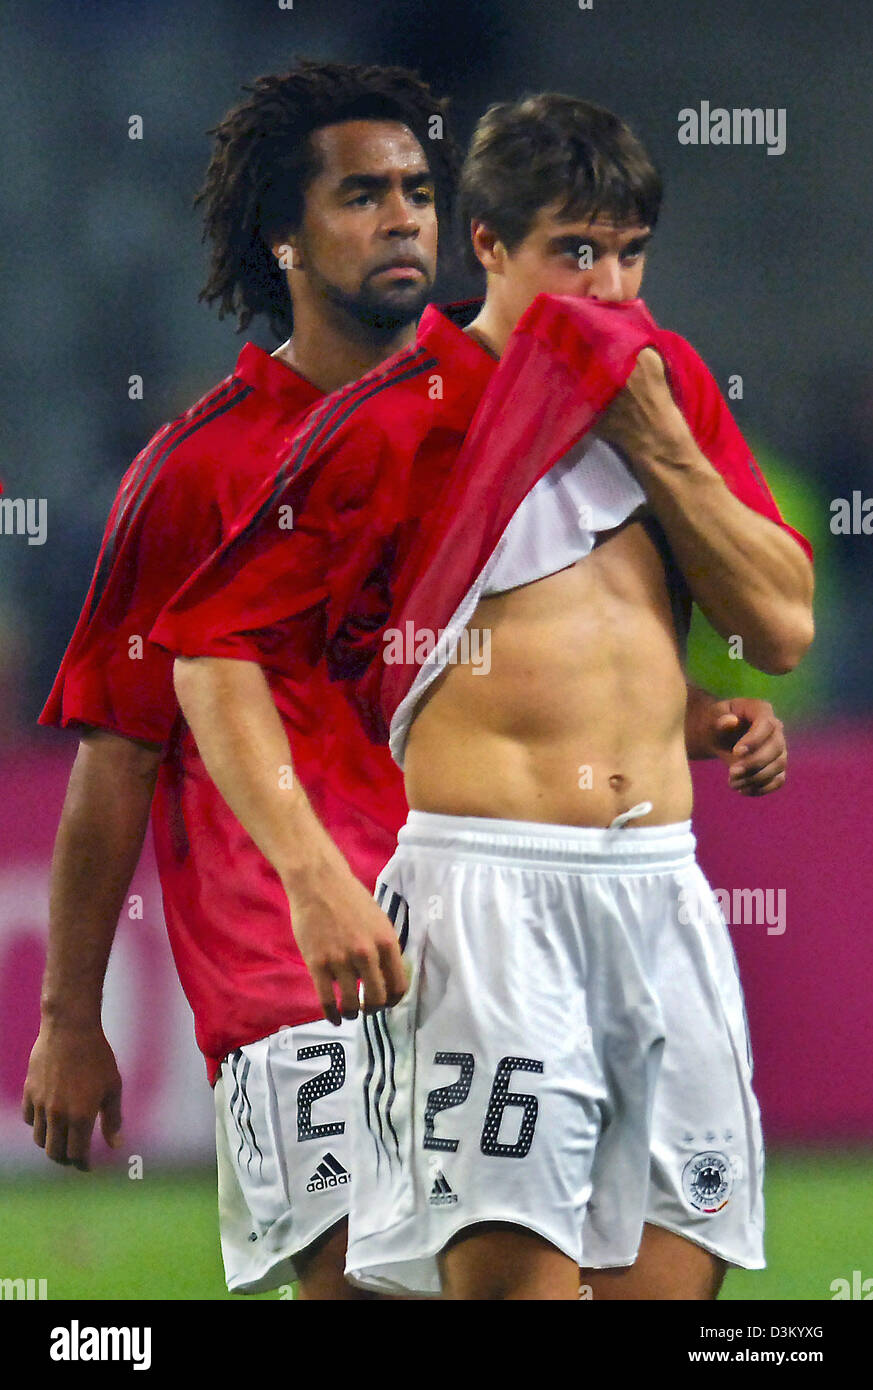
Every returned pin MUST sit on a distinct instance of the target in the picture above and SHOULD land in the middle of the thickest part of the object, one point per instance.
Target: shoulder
(378, 415)
(693, 384)
(377, 399)
(174, 469)
(189, 440)
(685, 361)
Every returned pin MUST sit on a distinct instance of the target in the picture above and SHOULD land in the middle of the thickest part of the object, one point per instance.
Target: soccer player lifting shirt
(566, 910)
(574, 1026)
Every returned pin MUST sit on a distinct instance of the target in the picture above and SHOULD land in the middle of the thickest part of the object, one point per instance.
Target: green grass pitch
(98, 1235)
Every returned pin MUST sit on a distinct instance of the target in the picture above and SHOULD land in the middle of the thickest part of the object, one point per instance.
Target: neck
(491, 328)
(331, 349)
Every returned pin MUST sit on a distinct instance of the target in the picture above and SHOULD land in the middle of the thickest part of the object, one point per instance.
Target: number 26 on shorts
(501, 1099)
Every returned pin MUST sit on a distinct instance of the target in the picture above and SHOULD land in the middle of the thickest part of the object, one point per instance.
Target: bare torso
(581, 715)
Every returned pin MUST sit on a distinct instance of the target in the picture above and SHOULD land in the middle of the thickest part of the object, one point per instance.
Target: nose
(605, 282)
(400, 219)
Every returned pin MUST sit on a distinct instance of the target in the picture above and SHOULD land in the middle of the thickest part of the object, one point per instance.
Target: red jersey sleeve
(716, 432)
(283, 580)
(112, 676)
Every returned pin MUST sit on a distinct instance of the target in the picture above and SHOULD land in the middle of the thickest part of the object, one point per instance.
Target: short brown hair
(551, 148)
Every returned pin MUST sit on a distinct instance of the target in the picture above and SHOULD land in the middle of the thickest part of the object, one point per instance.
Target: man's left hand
(746, 735)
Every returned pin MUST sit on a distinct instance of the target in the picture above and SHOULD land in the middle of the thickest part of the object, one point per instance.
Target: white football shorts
(282, 1137)
(572, 1054)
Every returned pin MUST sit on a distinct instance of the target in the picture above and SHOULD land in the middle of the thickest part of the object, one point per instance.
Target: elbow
(787, 648)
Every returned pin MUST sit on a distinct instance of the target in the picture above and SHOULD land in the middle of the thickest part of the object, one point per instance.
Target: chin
(395, 309)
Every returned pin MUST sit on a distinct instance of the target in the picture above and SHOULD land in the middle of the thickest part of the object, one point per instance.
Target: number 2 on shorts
(318, 1086)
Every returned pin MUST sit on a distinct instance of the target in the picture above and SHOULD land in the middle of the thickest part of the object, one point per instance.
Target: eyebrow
(379, 182)
(570, 241)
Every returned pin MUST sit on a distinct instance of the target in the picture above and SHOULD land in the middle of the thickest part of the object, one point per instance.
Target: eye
(359, 200)
(581, 253)
(422, 195)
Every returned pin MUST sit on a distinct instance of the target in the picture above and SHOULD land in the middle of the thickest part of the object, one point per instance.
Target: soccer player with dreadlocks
(321, 203)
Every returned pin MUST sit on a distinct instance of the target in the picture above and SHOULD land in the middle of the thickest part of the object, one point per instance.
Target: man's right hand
(344, 937)
(72, 1077)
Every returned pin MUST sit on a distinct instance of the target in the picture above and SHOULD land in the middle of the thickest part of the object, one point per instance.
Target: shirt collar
(441, 332)
(257, 368)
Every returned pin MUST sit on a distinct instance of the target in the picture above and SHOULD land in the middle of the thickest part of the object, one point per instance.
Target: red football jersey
(360, 483)
(362, 557)
(226, 912)
(565, 361)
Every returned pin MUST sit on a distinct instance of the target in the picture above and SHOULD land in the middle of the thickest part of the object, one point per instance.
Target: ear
(487, 247)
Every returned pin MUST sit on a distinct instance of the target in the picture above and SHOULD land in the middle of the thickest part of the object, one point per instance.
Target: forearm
(698, 722)
(245, 749)
(748, 576)
(98, 844)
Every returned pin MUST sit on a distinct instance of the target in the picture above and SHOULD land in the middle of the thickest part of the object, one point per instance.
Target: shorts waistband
(626, 847)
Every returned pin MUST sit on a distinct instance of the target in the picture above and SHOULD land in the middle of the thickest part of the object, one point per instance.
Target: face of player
(368, 240)
(585, 259)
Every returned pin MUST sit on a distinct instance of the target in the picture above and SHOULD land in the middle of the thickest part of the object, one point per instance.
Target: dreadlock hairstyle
(529, 154)
(262, 163)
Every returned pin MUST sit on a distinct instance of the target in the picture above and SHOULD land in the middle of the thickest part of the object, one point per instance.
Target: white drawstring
(642, 808)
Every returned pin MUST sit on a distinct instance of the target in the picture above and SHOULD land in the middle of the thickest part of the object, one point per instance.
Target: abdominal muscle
(581, 715)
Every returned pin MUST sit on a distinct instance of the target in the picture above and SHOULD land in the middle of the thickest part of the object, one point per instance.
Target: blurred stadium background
(763, 262)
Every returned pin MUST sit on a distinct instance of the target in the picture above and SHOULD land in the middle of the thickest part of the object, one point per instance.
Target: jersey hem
(81, 721)
(380, 1284)
(219, 1058)
(283, 1269)
(710, 1246)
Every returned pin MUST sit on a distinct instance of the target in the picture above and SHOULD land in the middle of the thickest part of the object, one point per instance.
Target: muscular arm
(341, 933)
(72, 1074)
(748, 576)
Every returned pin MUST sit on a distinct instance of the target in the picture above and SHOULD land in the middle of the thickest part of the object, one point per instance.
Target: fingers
(757, 773)
(769, 779)
(110, 1117)
(79, 1143)
(322, 978)
(761, 731)
(347, 979)
(393, 972)
(760, 753)
(56, 1138)
(727, 721)
(39, 1126)
(367, 980)
(761, 765)
(759, 723)
(651, 362)
(382, 980)
(374, 991)
(67, 1141)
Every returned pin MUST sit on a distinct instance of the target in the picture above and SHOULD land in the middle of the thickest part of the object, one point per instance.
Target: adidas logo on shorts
(329, 1173)
(441, 1195)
